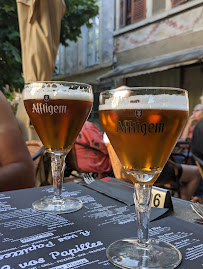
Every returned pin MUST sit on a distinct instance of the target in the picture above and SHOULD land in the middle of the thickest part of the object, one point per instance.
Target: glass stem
(142, 199)
(57, 167)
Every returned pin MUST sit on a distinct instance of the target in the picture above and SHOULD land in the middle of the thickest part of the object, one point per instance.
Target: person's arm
(187, 127)
(16, 165)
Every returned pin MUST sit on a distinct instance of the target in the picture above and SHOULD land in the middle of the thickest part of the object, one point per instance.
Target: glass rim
(59, 81)
(162, 88)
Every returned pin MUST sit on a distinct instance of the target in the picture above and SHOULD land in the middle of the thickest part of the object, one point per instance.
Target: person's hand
(185, 133)
(191, 119)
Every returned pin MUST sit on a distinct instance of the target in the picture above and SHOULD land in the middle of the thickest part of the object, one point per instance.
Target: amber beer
(58, 121)
(143, 138)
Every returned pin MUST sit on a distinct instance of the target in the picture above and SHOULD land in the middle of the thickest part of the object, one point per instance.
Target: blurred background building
(138, 43)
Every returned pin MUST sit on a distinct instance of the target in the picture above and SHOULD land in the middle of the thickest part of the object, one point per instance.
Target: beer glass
(57, 111)
(143, 126)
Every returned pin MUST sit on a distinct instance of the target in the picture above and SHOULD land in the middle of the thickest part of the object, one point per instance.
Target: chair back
(42, 163)
(181, 152)
(36, 149)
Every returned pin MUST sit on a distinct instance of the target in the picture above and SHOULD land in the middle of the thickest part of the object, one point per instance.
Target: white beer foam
(162, 101)
(38, 90)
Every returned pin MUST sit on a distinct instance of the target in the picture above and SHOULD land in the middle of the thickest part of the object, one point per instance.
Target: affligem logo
(138, 114)
(46, 97)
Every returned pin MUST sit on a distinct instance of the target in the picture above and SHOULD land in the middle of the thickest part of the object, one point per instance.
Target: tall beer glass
(143, 126)
(58, 111)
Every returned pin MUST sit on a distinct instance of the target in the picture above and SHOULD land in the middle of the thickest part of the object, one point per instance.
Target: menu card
(35, 240)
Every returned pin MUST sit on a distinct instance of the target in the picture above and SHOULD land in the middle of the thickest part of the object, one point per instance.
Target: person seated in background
(16, 165)
(197, 140)
(196, 147)
(197, 114)
(91, 151)
(186, 175)
(183, 145)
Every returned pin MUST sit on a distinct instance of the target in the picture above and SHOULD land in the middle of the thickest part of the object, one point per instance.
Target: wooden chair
(37, 151)
(182, 152)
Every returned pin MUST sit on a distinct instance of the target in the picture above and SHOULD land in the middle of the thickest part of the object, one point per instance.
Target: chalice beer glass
(58, 111)
(143, 126)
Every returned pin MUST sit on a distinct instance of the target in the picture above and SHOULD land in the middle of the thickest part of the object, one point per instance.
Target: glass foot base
(127, 253)
(57, 206)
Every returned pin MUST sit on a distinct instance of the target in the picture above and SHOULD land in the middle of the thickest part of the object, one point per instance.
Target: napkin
(123, 192)
(114, 188)
(200, 221)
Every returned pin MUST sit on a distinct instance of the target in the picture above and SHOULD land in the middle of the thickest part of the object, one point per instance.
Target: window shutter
(122, 13)
(138, 10)
(177, 2)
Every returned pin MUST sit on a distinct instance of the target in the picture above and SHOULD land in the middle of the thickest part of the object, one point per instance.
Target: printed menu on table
(34, 240)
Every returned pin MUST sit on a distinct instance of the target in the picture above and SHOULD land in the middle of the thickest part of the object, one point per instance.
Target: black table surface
(182, 210)
(34, 240)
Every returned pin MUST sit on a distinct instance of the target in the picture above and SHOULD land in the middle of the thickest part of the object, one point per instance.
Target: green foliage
(78, 13)
(10, 49)
(9, 95)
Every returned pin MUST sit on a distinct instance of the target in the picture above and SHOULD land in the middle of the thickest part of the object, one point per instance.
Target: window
(132, 11)
(59, 64)
(175, 3)
(158, 7)
(93, 43)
